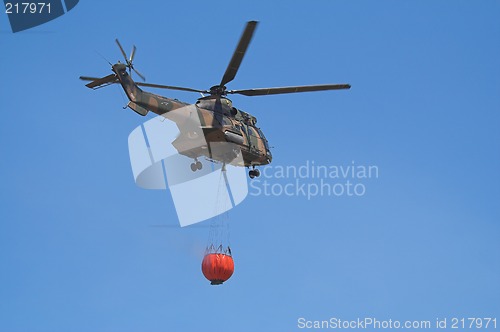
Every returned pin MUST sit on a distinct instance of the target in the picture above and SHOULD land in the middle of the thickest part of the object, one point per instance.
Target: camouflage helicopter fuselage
(211, 127)
(211, 120)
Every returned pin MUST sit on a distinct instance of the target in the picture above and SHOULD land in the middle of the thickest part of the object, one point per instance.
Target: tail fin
(97, 83)
(137, 108)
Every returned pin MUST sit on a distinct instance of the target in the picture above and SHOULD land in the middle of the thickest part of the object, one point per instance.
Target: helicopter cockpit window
(261, 134)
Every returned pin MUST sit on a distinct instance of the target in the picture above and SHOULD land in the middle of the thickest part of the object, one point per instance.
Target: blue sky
(78, 250)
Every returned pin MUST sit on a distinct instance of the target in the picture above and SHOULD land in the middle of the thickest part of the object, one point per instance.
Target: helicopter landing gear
(254, 173)
(196, 166)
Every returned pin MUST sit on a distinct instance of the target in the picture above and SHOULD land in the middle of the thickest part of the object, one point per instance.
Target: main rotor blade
(121, 49)
(150, 85)
(170, 87)
(239, 53)
(290, 89)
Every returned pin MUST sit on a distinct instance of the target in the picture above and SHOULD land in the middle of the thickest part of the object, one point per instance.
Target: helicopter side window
(252, 131)
(245, 130)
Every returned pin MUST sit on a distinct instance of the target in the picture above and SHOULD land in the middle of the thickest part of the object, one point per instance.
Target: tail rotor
(130, 59)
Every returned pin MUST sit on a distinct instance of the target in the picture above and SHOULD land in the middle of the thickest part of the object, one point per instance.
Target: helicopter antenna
(102, 56)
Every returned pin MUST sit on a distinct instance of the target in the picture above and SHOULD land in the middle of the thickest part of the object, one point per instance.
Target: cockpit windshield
(261, 134)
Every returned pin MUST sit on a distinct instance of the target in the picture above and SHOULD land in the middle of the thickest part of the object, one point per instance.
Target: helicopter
(218, 121)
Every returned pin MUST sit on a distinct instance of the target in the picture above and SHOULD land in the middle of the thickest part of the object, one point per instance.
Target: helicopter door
(242, 128)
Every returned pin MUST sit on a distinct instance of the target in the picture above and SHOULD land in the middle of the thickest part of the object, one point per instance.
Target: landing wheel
(254, 173)
(196, 165)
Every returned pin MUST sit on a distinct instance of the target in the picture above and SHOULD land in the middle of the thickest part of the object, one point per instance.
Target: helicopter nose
(269, 156)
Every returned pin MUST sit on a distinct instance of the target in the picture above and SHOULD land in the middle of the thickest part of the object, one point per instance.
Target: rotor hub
(218, 90)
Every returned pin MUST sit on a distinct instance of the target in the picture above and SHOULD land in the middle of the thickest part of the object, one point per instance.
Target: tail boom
(142, 102)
